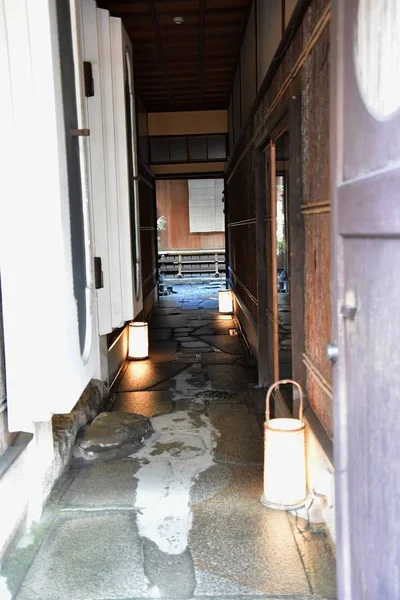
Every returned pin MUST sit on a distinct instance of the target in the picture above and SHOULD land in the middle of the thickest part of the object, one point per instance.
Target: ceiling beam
(201, 49)
(160, 49)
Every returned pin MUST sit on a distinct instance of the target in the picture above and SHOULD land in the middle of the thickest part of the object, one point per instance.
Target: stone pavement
(181, 517)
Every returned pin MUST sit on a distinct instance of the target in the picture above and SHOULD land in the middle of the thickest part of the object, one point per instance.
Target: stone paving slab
(187, 383)
(190, 404)
(237, 549)
(162, 351)
(261, 596)
(188, 358)
(211, 304)
(170, 575)
(141, 375)
(222, 397)
(110, 436)
(219, 358)
(91, 556)
(217, 328)
(160, 334)
(213, 586)
(104, 486)
(209, 483)
(197, 322)
(169, 302)
(179, 330)
(194, 344)
(148, 404)
(317, 555)
(254, 546)
(226, 343)
(168, 321)
(198, 350)
(240, 440)
(231, 377)
(164, 311)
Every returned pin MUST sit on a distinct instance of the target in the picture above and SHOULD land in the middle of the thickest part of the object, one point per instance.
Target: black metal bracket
(98, 273)
(88, 79)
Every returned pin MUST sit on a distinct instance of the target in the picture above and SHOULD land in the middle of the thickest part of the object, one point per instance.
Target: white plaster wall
(320, 478)
(14, 490)
(39, 308)
(27, 484)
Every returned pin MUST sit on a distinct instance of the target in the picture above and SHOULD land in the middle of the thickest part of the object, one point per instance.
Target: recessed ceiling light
(178, 20)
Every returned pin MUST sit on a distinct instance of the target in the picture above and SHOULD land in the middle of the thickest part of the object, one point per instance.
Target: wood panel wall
(317, 222)
(148, 237)
(305, 102)
(173, 203)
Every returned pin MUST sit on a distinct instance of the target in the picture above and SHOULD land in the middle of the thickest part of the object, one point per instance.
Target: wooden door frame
(278, 131)
(289, 115)
(271, 131)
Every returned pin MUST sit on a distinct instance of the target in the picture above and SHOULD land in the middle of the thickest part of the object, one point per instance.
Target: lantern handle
(271, 389)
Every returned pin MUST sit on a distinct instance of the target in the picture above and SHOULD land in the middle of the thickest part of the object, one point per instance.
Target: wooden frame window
(188, 148)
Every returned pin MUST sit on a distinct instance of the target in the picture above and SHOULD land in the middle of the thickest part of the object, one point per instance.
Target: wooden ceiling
(188, 66)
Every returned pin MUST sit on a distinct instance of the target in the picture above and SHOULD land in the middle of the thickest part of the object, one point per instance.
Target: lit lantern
(225, 302)
(284, 458)
(138, 340)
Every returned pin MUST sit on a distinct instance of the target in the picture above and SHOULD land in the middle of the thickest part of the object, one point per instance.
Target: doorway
(278, 258)
(282, 250)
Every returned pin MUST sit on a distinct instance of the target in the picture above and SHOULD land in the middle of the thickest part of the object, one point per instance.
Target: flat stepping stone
(226, 343)
(141, 375)
(111, 436)
(231, 377)
(148, 404)
(194, 344)
(221, 397)
(69, 561)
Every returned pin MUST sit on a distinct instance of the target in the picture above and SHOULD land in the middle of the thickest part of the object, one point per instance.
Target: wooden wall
(184, 123)
(317, 222)
(173, 203)
(296, 87)
(148, 238)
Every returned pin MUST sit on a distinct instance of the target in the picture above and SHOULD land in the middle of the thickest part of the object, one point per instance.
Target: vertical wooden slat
(273, 273)
(296, 228)
(264, 372)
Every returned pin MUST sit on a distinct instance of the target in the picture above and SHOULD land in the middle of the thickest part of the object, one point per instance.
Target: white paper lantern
(225, 302)
(138, 340)
(284, 458)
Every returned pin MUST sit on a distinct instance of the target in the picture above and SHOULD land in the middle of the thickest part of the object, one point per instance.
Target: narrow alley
(180, 517)
(160, 158)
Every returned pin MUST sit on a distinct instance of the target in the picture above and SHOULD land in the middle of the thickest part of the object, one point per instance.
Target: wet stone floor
(181, 517)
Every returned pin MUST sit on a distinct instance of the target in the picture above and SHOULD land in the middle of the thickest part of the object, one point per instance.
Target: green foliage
(161, 223)
(161, 226)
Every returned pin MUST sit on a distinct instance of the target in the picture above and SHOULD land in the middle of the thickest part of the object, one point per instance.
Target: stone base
(67, 426)
(111, 436)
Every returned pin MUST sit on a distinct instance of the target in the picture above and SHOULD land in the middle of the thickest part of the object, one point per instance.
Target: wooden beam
(160, 50)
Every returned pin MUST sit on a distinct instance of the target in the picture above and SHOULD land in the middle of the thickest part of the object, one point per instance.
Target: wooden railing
(187, 262)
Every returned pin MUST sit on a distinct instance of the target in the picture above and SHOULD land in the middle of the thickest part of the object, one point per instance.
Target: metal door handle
(348, 312)
(80, 132)
(332, 352)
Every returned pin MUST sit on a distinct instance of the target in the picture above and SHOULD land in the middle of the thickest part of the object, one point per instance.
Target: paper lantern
(225, 302)
(284, 458)
(138, 340)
